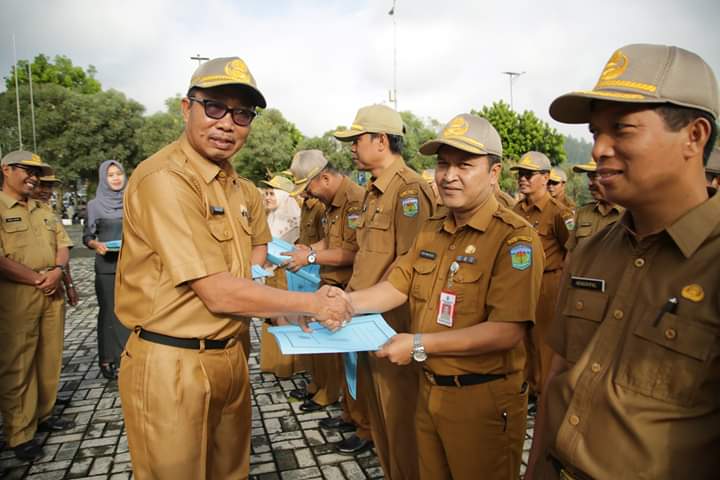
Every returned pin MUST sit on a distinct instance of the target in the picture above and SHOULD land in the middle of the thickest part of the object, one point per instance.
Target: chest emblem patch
(693, 292)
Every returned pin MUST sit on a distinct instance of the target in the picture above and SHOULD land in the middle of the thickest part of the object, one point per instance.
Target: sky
(319, 61)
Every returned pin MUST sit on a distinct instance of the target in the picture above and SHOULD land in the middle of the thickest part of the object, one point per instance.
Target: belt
(460, 380)
(189, 343)
(566, 473)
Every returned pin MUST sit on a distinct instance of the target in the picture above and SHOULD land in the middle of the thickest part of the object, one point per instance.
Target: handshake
(332, 307)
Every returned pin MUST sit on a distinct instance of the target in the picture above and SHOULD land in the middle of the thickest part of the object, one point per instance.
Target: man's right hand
(98, 246)
(334, 307)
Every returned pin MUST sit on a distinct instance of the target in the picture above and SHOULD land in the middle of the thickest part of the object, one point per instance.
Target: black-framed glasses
(553, 182)
(528, 174)
(242, 117)
(592, 175)
(30, 171)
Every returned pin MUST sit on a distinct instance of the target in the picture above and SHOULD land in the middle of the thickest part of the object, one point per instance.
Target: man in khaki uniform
(472, 280)
(633, 391)
(397, 202)
(335, 253)
(183, 287)
(712, 169)
(34, 250)
(556, 186)
(593, 216)
(553, 221)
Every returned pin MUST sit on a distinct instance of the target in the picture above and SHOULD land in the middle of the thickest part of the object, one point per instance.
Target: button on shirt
(642, 396)
(492, 284)
(185, 219)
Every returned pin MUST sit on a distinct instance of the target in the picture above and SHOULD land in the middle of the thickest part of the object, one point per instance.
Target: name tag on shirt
(588, 283)
(446, 311)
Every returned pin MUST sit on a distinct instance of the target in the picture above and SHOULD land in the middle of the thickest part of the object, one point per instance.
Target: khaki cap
(23, 157)
(428, 175)
(533, 161)
(227, 71)
(557, 174)
(50, 179)
(280, 182)
(590, 166)
(305, 165)
(373, 119)
(713, 164)
(468, 133)
(644, 73)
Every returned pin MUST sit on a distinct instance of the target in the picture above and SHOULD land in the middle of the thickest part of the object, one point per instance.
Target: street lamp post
(393, 94)
(199, 59)
(512, 76)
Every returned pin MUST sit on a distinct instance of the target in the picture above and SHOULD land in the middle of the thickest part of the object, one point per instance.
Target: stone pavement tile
(301, 474)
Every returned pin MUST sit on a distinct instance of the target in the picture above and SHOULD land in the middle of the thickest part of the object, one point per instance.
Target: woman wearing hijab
(283, 214)
(104, 225)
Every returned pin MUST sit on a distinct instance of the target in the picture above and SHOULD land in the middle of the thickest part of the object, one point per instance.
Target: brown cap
(227, 71)
(713, 164)
(373, 119)
(280, 182)
(306, 165)
(50, 179)
(23, 157)
(534, 161)
(644, 73)
(468, 133)
(557, 174)
(590, 166)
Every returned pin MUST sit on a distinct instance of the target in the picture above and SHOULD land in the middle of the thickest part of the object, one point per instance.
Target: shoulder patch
(521, 256)
(353, 219)
(410, 205)
(570, 223)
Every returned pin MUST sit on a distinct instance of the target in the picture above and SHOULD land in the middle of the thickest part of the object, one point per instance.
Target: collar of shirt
(339, 198)
(540, 204)
(605, 208)
(204, 167)
(480, 219)
(10, 202)
(690, 230)
(383, 181)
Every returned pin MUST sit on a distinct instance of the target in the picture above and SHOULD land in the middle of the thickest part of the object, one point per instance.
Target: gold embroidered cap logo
(237, 69)
(526, 160)
(35, 159)
(693, 292)
(457, 127)
(615, 67)
(470, 249)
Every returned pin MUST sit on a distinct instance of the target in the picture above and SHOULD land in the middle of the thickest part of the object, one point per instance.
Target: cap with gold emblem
(534, 161)
(557, 174)
(305, 165)
(373, 119)
(23, 157)
(281, 182)
(590, 166)
(643, 73)
(713, 163)
(468, 133)
(227, 71)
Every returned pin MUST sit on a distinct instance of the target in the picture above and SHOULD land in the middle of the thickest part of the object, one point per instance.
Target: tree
(418, 132)
(161, 128)
(578, 150)
(62, 73)
(269, 148)
(336, 152)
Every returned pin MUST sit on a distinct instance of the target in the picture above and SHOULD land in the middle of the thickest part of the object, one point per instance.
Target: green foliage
(161, 128)
(269, 148)
(337, 152)
(62, 72)
(418, 132)
(578, 150)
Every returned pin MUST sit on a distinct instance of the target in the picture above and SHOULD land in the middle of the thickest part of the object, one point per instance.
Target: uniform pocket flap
(220, 230)
(679, 335)
(424, 267)
(587, 304)
(380, 221)
(583, 231)
(11, 225)
(468, 274)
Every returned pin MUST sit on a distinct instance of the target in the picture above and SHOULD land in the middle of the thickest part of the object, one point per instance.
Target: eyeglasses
(242, 117)
(592, 175)
(30, 171)
(528, 174)
(553, 183)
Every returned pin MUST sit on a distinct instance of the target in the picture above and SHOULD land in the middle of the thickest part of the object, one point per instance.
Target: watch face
(311, 258)
(419, 356)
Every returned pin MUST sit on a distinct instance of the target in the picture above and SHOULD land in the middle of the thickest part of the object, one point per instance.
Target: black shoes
(300, 394)
(55, 424)
(336, 423)
(108, 371)
(310, 405)
(353, 445)
(28, 451)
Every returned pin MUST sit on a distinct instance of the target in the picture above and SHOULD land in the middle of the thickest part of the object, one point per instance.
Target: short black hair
(677, 117)
(493, 160)
(330, 168)
(396, 142)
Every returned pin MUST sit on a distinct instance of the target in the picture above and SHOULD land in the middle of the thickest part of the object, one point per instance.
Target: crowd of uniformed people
(602, 320)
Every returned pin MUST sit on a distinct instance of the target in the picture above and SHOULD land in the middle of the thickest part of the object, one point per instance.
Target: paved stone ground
(287, 444)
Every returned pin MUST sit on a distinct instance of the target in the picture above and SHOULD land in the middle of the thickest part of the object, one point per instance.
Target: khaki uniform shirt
(311, 216)
(505, 199)
(590, 219)
(553, 222)
(501, 265)
(566, 201)
(185, 219)
(341, 219)
(642, 396)
(395, 207)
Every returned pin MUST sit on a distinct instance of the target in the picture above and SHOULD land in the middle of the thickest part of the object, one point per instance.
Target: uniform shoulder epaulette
(441, 214)
(511, 218)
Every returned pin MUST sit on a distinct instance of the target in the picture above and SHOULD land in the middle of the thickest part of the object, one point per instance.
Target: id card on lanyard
(446, 307)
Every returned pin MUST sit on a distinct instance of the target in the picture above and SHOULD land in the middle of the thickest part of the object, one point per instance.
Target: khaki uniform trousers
(31, 345)
(539, 354)
(391, 408)
(472, 432)
(187, 412)
(355, 410)
(327, 373)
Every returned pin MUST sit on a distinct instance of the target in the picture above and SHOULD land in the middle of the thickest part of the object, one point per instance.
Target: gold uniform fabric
(384, 233)
(475, 431)
(590, 219)
(187, 412)
(311, 215)
(566, 201)
(31, 324)
(505, 199)
(549, 218)
(642, 396)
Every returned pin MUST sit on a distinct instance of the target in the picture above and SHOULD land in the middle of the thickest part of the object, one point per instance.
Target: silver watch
(312, 257)
(418, 351)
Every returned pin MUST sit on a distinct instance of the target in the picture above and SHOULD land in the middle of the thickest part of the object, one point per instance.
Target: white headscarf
(284, 221)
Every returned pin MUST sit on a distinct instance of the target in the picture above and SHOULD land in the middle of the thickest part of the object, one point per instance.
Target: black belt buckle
(187, 343)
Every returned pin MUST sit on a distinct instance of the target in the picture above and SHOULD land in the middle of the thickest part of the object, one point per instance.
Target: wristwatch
(418, 351)
(312, 257)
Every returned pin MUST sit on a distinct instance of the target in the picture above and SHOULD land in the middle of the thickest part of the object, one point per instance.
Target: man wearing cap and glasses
(184, 287)
(553, 221)
(472, 280)
(396, 205)
(633, 389)
(595, 215)
(34, 250)
(556, 186)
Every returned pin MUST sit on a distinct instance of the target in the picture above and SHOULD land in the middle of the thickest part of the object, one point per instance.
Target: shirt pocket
(423, 278)
(583, 231)
(221, 231)
(667, 361)
(17, 235)
(583, 313)
(379, 237)
(466, 287)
